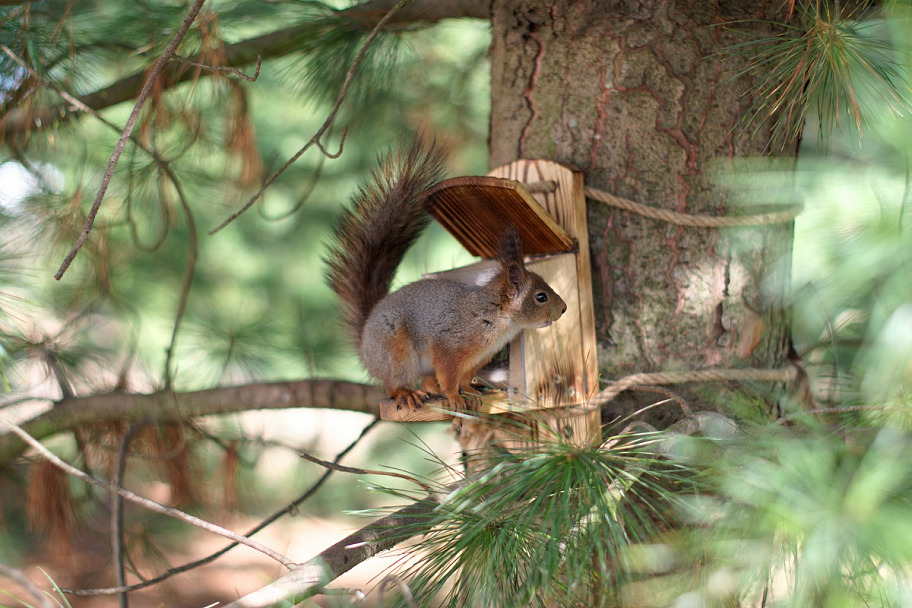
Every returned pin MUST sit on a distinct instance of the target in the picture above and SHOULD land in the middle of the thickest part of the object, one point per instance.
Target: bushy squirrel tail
(374, 233)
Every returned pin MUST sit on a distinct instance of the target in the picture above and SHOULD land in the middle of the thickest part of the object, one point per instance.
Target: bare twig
(117, 539)
(340, 98)
(143, 501)
(125, 134)
(334, 155)
(24, 582)
(392, 579)
(223, 68)
(357, 471)
(128, 208)
(311, 186)
(290, 508)
(314, 180)
(188, 280)
(672, 397)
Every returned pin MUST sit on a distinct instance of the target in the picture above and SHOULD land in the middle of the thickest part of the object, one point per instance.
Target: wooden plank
(435, 410)
(579, 425)
(546, 365)
(566, 203)
(562, 196)
(477, 210)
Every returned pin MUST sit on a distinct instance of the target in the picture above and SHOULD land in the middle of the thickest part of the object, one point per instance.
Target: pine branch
(69, 414)
(125, 135)
(18, 121)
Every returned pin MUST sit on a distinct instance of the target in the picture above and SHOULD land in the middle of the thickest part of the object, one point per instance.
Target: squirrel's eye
(541, 297)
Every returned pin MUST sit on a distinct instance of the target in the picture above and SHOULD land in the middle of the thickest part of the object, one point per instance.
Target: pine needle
(548, 525)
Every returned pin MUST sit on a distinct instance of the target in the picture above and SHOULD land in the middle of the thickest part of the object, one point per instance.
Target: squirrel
(438, 331)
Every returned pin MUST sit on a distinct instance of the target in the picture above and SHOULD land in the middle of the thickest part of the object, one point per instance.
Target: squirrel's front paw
(410, 399)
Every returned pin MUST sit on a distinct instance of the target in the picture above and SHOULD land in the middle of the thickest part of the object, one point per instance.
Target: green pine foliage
(835, 64)
(545, 525)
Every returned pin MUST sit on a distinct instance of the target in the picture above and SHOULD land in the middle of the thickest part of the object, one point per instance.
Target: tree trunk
(638, 95)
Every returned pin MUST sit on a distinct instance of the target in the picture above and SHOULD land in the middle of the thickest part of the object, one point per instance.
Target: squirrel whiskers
(436, 331)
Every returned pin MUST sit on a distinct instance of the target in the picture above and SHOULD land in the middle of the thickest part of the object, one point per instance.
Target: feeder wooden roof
(477, 210)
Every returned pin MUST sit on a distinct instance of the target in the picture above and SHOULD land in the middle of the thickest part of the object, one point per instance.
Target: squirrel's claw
(470, 401)
(410, 399)
(463, 401)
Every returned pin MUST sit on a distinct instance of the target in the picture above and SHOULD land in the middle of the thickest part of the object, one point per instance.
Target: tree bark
(639, 96)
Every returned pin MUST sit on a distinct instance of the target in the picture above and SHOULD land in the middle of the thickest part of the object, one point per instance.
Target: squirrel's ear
(511, 260)
(511, 249)
(514, 277)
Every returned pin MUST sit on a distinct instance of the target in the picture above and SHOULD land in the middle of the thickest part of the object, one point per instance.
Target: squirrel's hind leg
(451, 369)
(388, 353)
(430, 385)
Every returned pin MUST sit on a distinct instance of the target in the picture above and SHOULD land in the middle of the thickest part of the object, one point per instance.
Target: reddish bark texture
(639, 96)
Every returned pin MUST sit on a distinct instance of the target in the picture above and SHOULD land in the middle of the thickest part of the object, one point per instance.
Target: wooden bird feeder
(554, 367)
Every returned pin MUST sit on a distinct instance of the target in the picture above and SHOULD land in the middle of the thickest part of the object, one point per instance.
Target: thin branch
(334, 155)
(142, 501)
(189, 271)
(128, 206)
(327, 124)
(309, 578)
(117, 536)
(390, 580)
(125, 134)
(224, 68)
(288, 509)
(357, 471)
(305, 196)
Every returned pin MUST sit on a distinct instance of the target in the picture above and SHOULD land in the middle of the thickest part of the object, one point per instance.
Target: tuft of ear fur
(511, 248)
(511, 260)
